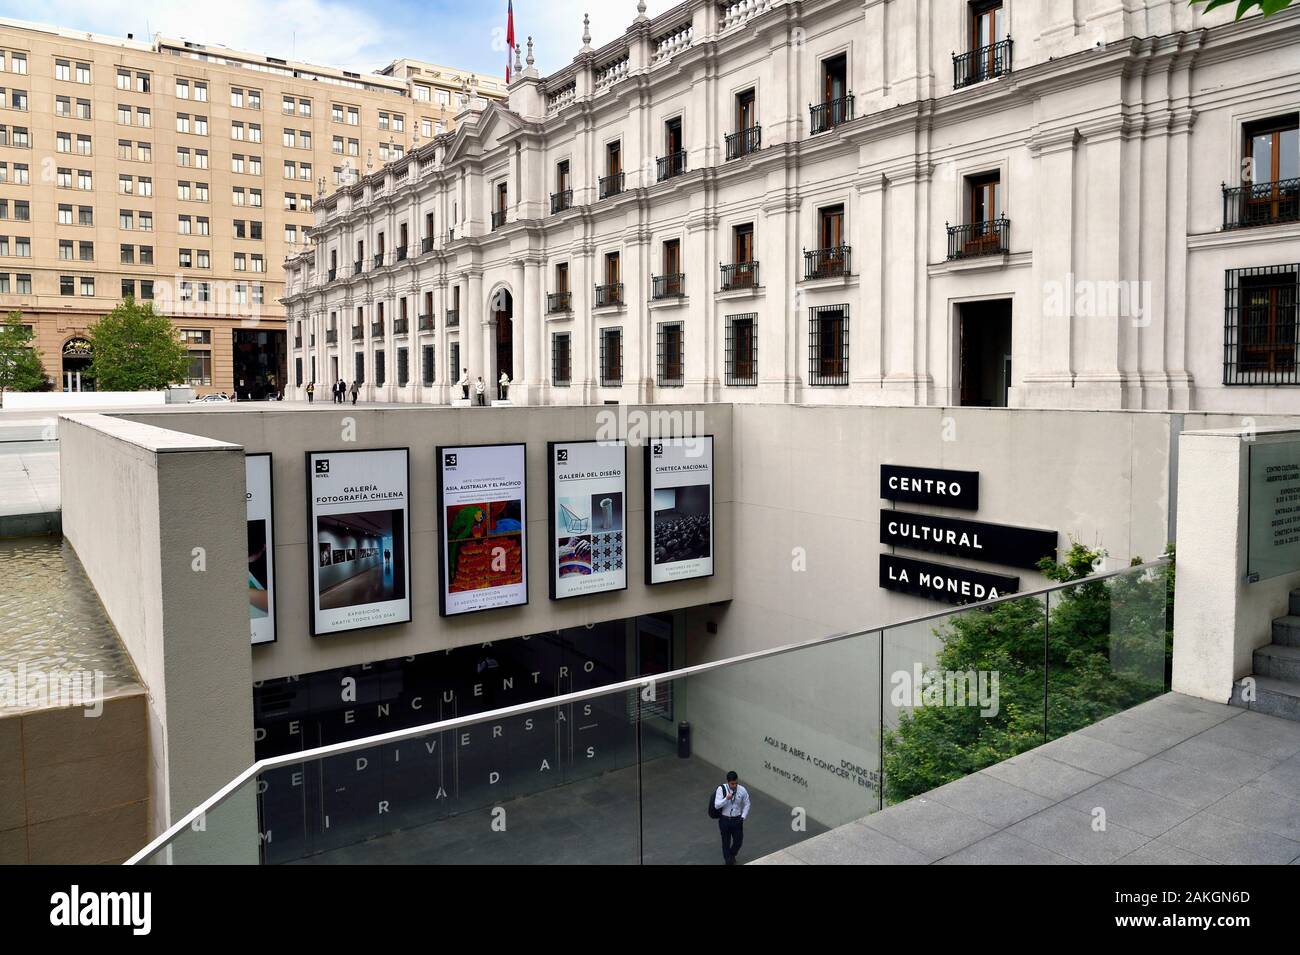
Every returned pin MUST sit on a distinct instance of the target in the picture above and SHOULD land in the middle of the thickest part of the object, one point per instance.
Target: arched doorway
(76, 362)
(503, 317)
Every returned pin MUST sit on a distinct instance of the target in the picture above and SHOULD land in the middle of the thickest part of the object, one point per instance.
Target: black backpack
(714, 811)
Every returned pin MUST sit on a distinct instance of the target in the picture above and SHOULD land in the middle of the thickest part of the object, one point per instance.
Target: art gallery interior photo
(711, 432)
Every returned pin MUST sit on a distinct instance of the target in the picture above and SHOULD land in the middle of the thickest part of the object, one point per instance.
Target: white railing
(673, 42)
(561, 98)
(737, 12)
(610, 74)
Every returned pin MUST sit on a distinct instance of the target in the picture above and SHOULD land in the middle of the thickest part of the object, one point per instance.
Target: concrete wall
(81, 400)
(1219, 619)
(289, 434)
(75, 791)
(157, 520)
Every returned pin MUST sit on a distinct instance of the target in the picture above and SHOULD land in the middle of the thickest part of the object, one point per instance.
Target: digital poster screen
(359, 525)
(482, 517)
(679, 509)
(588, 517)
(261, 547)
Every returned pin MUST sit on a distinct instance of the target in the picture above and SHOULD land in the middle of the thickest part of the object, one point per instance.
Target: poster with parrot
(482, 523)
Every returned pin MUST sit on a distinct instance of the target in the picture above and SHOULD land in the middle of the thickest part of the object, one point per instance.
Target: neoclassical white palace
(1082, 204)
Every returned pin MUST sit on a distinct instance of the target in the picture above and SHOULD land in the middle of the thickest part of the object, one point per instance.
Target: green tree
(136, 349)
(1266, 7)
(1107, 646)
(20, 364)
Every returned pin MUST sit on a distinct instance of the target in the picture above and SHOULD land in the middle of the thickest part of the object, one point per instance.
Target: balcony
(426, 323)
(832, 113)
(331, 336)
(377, 329)
(559, 302)
(498, 219)
(333, 274)
(426, 244)
(983, 64)
(739, 276)
(453, 318)
(358, 267)
(401, 326)
(608, 296)
(744, 142)
(979, 238)
(674, 164)
(610, 185)
(1261, 203)
(379, 259)
(561, 200)
(358, 333)
(401, 253)
(830, 263)
(671, 285)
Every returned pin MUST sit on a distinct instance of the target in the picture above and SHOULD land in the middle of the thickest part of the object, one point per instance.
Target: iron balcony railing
(610, 185)
(426, 244)
(561, 200)
(739, 275)
(401, 326)
(674, 164)
(379, 259)
(401, 253)
(832, 113)
(358, 333)
(426, 323)
(453, 318)
(1261, 203)
(333, 274)
(559, 302)
(744, 142)
(331, 336)
(611, 294)
(979, 238)
(671, 285)
(827, 263)
(358, 267)
(377, 329)
(498, 218)
(983, 64)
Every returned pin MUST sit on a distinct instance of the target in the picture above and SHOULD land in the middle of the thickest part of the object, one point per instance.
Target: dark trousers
(733, 835)
(464, 392)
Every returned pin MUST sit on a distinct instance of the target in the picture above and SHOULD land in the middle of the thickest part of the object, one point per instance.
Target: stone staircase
(1277, 670)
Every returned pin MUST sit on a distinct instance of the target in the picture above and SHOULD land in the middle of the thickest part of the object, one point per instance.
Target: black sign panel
(960, 489)
(954, 585)
(959, 537)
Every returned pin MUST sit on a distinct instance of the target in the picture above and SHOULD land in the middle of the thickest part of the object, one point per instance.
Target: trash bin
(684, 740)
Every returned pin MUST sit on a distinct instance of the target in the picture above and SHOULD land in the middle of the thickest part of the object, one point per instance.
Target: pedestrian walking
(356, 390)
(311, 391)
(480, 390)
(731, 803)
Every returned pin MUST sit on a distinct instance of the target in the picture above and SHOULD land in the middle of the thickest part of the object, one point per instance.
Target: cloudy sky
(361, 35)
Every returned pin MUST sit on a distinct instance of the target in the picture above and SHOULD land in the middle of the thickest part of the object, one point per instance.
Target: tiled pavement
(1179, 780)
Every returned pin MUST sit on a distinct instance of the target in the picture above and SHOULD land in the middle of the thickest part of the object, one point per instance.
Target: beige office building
(183, 173)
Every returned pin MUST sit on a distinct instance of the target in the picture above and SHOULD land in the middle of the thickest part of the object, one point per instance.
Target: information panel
(1273, 542)
(977, 540)
(954, 585)
(588, 517)
(679, 509)
(261, 547)
(359, 525)
(482, 519)
(940, 486)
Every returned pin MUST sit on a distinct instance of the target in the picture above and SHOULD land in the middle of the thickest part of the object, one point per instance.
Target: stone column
(471, 333)
(522, 312)
(533, 371)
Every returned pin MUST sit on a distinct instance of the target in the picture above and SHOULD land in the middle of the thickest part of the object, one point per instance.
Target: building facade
(183, 174)
(931, 202)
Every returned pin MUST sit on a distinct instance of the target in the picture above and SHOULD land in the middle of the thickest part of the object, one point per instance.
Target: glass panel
(963, 691)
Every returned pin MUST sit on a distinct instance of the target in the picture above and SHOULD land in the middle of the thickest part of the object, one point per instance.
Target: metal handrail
(578, 696)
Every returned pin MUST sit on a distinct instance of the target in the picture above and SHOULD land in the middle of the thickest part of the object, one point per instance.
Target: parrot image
(469, 522)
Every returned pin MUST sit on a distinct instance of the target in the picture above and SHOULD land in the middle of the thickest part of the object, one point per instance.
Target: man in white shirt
(464, 383)
(732, 800)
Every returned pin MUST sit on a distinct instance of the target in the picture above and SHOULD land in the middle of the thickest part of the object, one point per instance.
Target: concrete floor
(591, 822)
(1176, 780)
(369, 586)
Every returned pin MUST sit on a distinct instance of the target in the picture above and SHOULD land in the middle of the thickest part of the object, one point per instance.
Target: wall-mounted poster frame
(483, 502)
(587, 548)
(679, 485)
(358, 498)
(259, 500)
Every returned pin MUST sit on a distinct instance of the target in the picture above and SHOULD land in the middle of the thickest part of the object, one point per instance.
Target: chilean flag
(510, 36)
